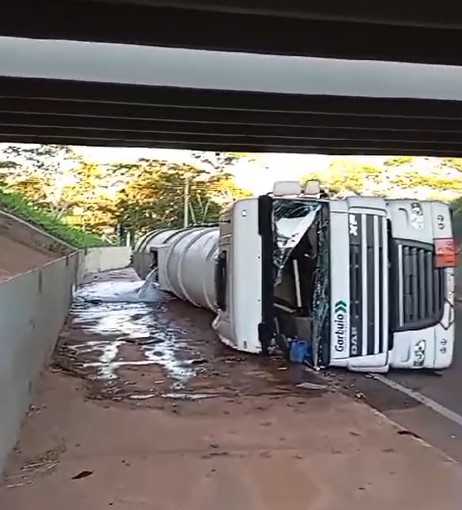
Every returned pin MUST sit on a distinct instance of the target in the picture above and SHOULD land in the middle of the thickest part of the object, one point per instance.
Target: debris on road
(311, 386)
(236, 431)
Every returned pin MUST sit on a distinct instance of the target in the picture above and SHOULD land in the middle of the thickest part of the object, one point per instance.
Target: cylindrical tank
(187, 266)
(142, 257)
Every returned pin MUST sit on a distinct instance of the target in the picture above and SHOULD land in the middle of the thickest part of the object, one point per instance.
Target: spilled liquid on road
(126, 313)
(127, 340)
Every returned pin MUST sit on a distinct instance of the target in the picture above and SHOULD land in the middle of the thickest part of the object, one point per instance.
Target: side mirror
(312, 188)
(286, 188)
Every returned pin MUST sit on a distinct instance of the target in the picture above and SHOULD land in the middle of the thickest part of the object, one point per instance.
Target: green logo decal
(340, 306)
(340, 325)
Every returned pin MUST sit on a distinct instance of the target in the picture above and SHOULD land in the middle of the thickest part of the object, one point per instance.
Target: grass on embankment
(13, 203)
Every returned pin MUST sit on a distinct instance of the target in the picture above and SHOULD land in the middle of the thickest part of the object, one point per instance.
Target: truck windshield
(292, 220)
(301, 275)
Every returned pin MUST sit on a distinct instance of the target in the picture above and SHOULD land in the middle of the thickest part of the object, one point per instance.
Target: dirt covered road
(142, 408)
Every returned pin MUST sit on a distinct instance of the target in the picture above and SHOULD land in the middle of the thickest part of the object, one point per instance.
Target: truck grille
(368, 284)
(419, 286)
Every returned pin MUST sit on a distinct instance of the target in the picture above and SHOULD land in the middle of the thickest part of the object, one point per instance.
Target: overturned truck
(368, 283)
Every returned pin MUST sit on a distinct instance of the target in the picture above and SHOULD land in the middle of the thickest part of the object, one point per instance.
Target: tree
(399, 161)
(44, 174)
(347, 176)
(398, 176)
(454, 163)
(46, 161)
(141, 195)
(58, 180)
(92, 199)
(6, 167)
(155, 196)
(221, 161)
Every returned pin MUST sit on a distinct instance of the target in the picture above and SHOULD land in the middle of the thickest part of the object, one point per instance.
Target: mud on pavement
(144, 352)
(158, 415)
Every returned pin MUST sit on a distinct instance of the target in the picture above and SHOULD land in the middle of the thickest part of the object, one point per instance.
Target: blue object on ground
(309, 353)
(299, 351)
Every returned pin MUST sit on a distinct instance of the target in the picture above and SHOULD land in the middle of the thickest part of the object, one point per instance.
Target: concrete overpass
(392, 30)
(123, 95)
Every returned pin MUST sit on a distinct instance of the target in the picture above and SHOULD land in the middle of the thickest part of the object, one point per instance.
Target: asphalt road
(436, 414)
(444, 388)
(439, 424)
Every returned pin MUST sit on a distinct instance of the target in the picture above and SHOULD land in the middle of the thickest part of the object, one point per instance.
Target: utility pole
(186, 202)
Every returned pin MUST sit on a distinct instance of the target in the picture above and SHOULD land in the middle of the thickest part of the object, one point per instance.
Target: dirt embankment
(24, 247)
(16, 257)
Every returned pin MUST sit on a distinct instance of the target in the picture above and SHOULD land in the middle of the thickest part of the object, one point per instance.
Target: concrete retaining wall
(33, 308)
(105, 259)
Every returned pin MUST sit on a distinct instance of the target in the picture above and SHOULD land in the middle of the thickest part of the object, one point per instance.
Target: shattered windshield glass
(321, 292)
(292, 218)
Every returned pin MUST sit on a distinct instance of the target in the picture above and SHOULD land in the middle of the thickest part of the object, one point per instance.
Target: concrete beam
(189, 99)
(356, 29)
(212, 70)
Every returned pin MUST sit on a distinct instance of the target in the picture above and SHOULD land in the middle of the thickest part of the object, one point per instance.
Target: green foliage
(80, 202)
(454, 163)
(139, 196)
(399, 161)
(15, 204)
(436, 178)
(347, 175)
(219, 161)
(456, 207)
(45, 175)
(155, 195)
(439, 179)
(46, 159)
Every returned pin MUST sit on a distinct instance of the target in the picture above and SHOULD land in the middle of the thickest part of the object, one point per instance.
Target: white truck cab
(367, 281)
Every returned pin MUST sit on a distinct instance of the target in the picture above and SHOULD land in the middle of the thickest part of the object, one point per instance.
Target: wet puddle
(130, 341)
(124, 324)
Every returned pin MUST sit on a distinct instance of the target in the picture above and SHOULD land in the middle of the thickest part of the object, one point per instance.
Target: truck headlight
(419, 353)
(417, 216)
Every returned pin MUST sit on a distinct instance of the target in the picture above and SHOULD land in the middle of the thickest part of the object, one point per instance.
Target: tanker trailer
(368, 283)
(180, 261)
(192, 263)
